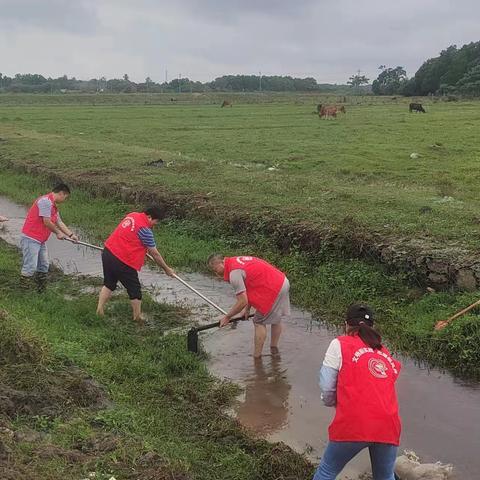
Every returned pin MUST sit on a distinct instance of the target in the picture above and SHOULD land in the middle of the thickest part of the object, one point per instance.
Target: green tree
(390, 81)
(469, 84)
(356, 81)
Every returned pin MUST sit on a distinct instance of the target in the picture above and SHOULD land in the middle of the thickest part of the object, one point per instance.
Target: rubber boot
(41, 281)
(26, 283)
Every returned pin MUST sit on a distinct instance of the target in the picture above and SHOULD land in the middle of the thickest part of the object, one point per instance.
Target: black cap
(359, 312)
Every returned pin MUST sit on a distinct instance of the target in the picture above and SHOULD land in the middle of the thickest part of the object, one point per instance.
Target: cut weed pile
(80, 395)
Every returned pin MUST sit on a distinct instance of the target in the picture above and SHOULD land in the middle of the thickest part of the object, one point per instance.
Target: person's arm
(240, 304)
(237, 281)
(65, 230)
(45, 207)
(160, 261)
(328, 375)
(145, 235)
(53, 228)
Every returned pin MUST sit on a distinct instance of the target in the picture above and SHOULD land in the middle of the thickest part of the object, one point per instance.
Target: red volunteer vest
(124, 242)
(262, 280)
(34, 226)
(367, 407)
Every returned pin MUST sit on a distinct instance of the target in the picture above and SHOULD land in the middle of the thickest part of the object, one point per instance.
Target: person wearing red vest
(124, 255)
(259, 285)
(42, 219)
(358, 377)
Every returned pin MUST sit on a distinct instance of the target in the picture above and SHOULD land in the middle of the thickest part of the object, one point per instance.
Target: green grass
(329, 172)
(324, 283)
(163, 399)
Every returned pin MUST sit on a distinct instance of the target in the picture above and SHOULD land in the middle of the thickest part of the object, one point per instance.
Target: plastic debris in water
(408, 467)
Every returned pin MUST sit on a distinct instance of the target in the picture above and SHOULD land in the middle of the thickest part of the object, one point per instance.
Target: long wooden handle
(443, 323)
(203, 297)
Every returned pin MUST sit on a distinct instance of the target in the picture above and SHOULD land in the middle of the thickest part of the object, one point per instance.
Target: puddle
(281, 400)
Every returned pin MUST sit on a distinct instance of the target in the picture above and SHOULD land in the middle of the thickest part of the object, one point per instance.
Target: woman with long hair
(358, 377)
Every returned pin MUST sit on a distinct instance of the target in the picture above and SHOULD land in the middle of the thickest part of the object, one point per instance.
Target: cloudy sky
(203, 39)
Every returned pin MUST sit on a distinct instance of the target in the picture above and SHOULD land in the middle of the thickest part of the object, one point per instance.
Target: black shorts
(114, 271)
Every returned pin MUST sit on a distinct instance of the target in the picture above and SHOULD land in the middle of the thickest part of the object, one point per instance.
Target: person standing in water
(124, 255)
(42, 220)
(358, 377)
(259, 285)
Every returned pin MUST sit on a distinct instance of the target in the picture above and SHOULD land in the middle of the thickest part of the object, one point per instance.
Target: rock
(466, 280)
(4, 450)
(437, 278)
(28, 436)
(156, 163)
(437, 266)
(425, 209)
(7, 407)
(53, 452)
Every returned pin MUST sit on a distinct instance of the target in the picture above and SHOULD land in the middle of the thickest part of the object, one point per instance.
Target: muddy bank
(427, 262)
(281, 399)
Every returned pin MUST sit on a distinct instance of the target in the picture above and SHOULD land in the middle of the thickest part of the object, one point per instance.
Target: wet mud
(280, 399)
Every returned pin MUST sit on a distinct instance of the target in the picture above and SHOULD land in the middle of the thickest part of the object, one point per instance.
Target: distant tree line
(35, 83)
(454, 71)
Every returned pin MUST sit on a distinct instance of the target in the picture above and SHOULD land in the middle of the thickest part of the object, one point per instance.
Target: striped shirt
(145, 235)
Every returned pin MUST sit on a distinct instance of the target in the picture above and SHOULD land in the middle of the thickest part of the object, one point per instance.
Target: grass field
(324, 172)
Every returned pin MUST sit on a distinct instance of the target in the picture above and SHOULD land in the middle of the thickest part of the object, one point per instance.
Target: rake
(441, 324)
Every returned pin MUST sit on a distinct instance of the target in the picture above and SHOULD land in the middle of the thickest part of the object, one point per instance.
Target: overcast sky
(203, 39)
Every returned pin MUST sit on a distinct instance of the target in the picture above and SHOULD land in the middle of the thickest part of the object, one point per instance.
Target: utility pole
(260, 87)
(179, 86)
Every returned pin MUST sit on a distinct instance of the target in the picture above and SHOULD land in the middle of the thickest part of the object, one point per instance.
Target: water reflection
(264, 406)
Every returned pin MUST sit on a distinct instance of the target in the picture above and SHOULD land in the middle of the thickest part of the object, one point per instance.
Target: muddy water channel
(281, 400)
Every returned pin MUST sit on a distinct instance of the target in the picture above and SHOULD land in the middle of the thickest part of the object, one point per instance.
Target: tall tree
(390, 81)
(356, 81)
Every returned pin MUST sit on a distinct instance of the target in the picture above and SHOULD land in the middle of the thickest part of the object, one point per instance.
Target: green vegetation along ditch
(323, 283)
(150, 412)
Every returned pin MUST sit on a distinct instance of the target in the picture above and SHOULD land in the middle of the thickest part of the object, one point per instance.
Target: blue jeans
(338, 454)
(35, 257)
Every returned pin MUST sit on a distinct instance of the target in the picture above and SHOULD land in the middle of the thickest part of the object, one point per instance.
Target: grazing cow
(173, 99)
(226, 103)
(416, 107)
(328, 112)
(339, 109)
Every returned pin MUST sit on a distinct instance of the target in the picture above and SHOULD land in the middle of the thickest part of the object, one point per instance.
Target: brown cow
(226, 103)
(325, 111)
(328, 112)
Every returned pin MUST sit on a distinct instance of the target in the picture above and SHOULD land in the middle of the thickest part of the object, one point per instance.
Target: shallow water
(281, 401)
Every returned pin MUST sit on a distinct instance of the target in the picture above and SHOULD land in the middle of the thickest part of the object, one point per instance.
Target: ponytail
(360, 321)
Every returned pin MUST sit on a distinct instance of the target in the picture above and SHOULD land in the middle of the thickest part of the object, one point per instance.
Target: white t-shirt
(333, 356)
